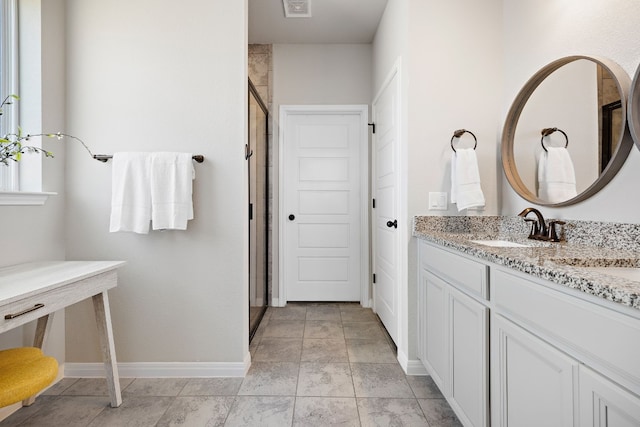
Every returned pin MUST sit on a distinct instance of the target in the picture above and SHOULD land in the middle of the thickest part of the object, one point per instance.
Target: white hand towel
(130, 193)
(465, 179)
(556, 176)
(171, 181)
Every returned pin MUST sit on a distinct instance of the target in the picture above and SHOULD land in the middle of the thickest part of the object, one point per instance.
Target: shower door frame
(253, 91)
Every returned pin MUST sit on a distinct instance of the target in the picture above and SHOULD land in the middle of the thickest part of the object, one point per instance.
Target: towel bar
(459, 133)
(549, 131)
(105, 157)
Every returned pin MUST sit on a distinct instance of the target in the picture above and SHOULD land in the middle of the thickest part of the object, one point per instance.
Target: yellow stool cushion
(23, 373)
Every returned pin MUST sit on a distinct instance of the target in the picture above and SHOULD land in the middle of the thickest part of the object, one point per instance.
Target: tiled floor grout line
(353, 384)
(295, 394)
(237, 405)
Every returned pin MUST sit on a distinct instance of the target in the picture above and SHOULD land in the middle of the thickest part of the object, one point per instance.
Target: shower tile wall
(261, 75)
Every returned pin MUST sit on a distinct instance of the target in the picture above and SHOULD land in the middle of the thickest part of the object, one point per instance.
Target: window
(20, 183)
(9, 84)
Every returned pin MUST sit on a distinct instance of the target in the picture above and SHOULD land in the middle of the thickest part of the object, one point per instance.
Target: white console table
(33, 291)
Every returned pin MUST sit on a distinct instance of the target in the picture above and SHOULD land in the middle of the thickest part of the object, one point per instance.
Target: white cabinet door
(454, 347)
(436, 352)
(468, 350)
(531, 381)
(605, 404)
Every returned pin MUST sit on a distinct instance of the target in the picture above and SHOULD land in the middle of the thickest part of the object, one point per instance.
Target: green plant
(12, 145)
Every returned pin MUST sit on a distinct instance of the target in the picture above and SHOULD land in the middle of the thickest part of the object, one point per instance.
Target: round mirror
(634, 108)
(566, 135)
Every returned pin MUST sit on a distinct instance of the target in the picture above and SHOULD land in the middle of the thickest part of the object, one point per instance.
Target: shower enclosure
(256, 153)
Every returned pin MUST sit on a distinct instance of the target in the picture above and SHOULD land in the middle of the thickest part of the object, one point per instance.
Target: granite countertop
(567, 263)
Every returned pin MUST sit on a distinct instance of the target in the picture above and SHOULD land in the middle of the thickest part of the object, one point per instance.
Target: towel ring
(459, 133)
(549, 131)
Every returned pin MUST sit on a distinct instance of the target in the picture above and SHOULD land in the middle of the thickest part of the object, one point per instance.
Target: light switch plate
(437, 201)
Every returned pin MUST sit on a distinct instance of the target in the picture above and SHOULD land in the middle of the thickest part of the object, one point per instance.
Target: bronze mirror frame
(618, 157)
(633, 109)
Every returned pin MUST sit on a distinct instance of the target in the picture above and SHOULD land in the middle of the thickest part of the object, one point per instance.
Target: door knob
(393, 223)
(292, 217)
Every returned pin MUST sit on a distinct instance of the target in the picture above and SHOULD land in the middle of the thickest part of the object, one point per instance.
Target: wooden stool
(24, 372)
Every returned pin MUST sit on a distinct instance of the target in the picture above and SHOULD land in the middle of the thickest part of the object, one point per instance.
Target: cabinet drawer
(600, 337)
(465, 273)
(36, 306)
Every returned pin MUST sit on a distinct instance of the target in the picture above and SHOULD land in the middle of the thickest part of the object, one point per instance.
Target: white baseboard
(8, 410)
(162, 369)
(275, 302)
(415, 367)
(411, 367)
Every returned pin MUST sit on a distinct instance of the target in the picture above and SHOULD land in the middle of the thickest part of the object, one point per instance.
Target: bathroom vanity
(517, 332)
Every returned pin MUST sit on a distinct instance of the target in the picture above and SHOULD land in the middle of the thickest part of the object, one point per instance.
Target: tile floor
(313, 365)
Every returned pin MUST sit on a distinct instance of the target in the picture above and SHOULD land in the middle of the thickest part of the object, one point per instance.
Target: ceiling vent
(297, 8)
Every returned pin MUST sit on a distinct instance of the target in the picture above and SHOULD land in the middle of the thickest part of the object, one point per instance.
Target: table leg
(42, 332)
(105, 332)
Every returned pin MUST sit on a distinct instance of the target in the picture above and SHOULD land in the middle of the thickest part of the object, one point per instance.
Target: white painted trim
(10, 84)
(24, 198)
(8, 410)
(363, 111)
(275, 302)
(415, 368)
(161, 369)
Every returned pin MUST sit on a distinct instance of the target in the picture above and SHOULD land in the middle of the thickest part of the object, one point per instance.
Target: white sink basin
(629, 273)
(500, 243)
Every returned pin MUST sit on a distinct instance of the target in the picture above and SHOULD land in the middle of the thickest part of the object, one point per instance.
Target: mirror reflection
(581, 101)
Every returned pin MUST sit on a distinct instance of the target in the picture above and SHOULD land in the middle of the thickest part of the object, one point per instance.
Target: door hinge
(250, 211)
(373, 127)
(374, 277)
(373, 203)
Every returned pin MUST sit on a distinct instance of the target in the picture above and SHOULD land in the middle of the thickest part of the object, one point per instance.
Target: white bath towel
(465, 179)
(171, 182)
(130, 193)
(556, 176)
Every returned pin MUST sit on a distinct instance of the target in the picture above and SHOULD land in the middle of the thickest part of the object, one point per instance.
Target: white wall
(161, 76)
(313, 74)
(390, 42)
(535, 35)
(322, 73)
(36, 233)
(451, 69)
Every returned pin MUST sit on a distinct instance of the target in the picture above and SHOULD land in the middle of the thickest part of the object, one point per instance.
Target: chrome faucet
(539, 228)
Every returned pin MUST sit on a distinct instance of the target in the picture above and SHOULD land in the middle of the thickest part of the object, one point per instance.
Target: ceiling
(332, 21)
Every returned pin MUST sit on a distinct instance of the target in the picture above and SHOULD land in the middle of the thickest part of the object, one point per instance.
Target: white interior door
(322, 215)
(385, 215)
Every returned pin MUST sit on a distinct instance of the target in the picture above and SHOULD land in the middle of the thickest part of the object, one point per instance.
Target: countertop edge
(568, 276)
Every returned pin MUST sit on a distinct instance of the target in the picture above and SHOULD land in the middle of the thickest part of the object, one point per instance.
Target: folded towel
(465, 179)
(171, 182)
(556, 176)
(130, 193)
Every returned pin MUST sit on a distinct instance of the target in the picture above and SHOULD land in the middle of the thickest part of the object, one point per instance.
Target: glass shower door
(257, 156)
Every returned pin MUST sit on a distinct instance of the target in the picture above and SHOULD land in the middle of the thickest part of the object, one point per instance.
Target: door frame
(287, 111)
